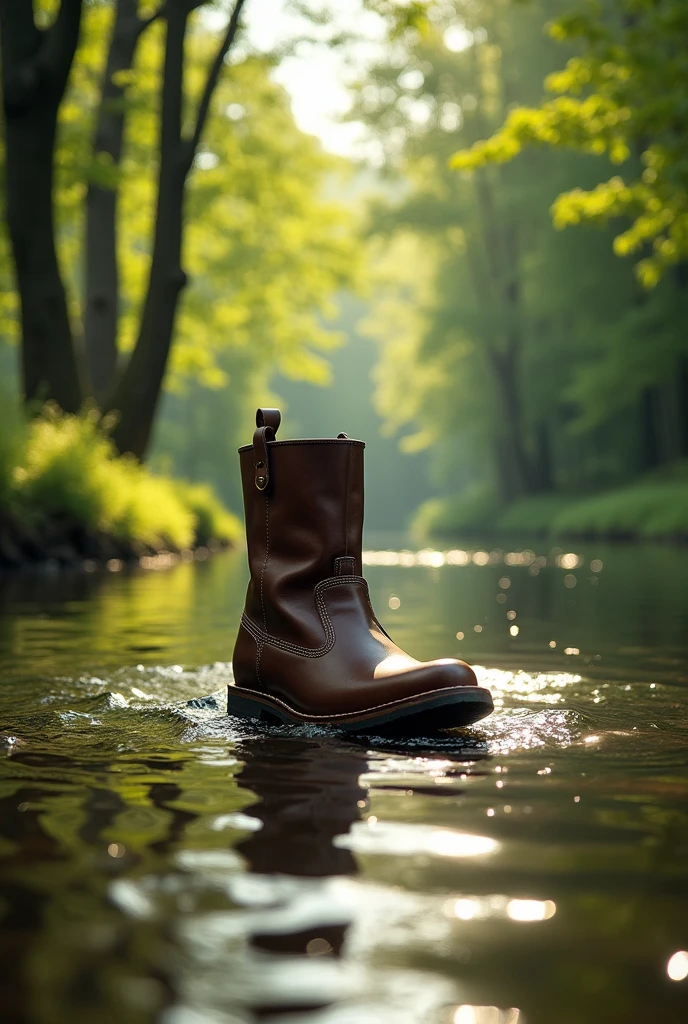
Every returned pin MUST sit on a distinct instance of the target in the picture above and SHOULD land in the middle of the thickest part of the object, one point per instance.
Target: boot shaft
(303, 502)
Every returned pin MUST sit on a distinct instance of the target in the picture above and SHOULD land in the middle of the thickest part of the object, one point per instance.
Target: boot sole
(441, 709)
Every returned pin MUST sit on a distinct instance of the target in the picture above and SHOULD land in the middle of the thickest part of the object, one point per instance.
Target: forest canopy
(532, 361)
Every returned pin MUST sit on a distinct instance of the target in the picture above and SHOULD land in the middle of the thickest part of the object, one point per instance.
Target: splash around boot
(310, 650)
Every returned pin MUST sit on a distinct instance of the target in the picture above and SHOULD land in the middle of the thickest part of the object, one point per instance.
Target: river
(160, 862)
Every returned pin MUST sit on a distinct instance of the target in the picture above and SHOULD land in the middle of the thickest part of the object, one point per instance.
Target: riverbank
(67, 498)
(653, 508)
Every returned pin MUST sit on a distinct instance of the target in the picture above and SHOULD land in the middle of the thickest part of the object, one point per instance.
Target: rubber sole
(441, 709)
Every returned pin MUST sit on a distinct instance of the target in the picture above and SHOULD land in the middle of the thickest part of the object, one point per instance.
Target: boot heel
(243, 707)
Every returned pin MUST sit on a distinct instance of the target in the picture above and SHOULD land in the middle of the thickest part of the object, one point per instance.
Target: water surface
(162, 862)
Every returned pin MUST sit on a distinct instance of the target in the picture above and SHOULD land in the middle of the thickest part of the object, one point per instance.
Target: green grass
(64, 467)
(655, 507)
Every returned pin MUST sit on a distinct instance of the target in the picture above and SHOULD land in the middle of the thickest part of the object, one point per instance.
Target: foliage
(476, 326)
(623, 96)
(402, 271)
(647, 509)
(650, 509)
(264, 250)
(11, 441)
(528, 360)
(66, 467)
(213, 521)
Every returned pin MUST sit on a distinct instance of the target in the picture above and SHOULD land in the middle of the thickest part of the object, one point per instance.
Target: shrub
(66, 470)
(655, 507)
(646, 509)
(12, 441)
(67, 467)
(149, 510)
(213, 521)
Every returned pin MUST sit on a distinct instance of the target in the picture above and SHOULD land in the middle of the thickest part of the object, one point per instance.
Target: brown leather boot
(309, 649)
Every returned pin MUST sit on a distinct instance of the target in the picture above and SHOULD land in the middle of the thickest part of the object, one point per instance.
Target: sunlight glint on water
(199, 869)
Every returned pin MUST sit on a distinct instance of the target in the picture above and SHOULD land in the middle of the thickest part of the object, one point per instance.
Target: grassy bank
(654, 508)
(66, 496)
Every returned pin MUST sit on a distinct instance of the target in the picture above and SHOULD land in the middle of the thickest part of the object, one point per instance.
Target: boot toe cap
(450, 672)
(407, 674)
(421, 677)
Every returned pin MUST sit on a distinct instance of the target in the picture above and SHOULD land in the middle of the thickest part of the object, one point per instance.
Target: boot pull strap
(267, 425)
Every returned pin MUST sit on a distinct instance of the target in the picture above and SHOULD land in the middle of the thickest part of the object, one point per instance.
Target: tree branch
(213, 77)
(101, 303)
(137, 391)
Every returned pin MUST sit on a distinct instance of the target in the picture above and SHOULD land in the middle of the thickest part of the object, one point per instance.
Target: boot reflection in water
(308, 792)
(310, 649)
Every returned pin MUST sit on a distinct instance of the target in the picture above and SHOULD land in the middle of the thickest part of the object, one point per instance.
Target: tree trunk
(501, 245)
(513, 461)
(137, 393)
(35, 68)
(542, 461)
(650, 451)
(101, 274)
